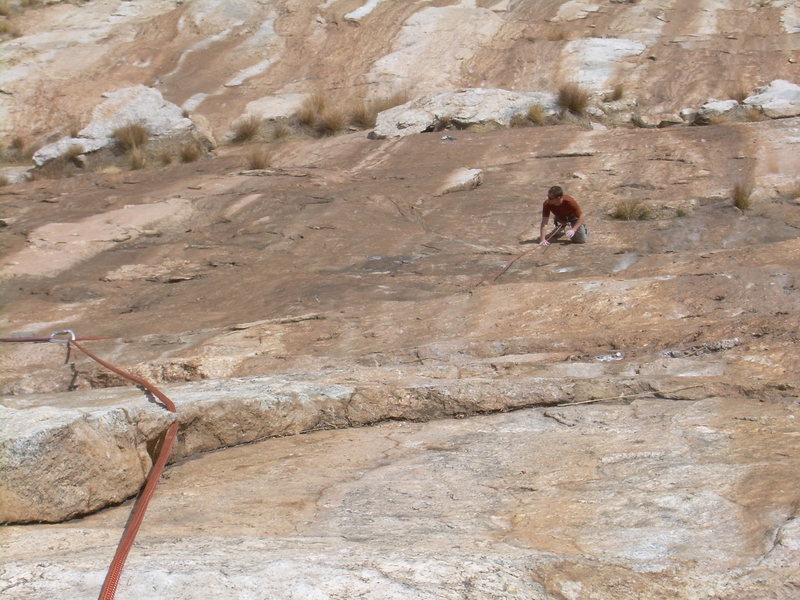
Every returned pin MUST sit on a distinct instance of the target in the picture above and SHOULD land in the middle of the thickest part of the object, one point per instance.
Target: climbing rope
(109, 589)
(494, 276)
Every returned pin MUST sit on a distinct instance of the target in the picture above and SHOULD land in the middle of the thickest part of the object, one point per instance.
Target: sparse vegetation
(743, 195)
(616, 93)
(137, 158)
(131, 136)
(573, 98)
(189, 153)
(738, 93)
(557, 35)
(631, 210)
(4, 181)
(537, 114)
(246, 129)
(72, 154)
(681, 212)
(362, 115)
(311, 109)
(280, 131)
(258, 158)
(329, 122)
(165, 158)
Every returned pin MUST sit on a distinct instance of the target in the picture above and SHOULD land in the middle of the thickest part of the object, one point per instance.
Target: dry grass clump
(131, 136)
(137, 158)
(258, 158)
(557, 35)
(311, 109)
(630, 210)
(573, 98)
(246, 129)
(535, 115)
(329, 122)
(72, 154)
(280, 131)
(616, 93)
(738, 93)
(189, 153)
(743, 195)
(8, 28)
(4, 181)
(5, 8)
(364, 114)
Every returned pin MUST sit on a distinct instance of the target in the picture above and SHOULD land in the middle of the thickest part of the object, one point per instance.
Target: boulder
(462, 108)
(716, 109)
(462, 179)
(62, 463)
(139, 104)
(779, 99)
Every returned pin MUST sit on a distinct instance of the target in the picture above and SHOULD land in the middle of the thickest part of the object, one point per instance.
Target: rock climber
(567, 215)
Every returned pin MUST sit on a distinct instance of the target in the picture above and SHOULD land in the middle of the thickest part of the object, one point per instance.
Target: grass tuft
(189, 153)
(131, 136)
(280, 131)
(631, 210)
(329, 122)
(258, 158)
(743, 195)
(573, 98)
(246, 129)
(137, 158)
(4, 181)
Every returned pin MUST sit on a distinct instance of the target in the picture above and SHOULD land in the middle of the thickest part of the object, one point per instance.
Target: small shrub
(738, 93)
(189, 153)
(388, 102)
(131, 136)
(537, 114)
(17, 143)
(258, 158)
(246, 128)
(362, 116)
(616, 93)
(5, 8)
(519, 120)
(8, 28)
(72, 154)
(137, 158)
(630, 210)
(4, 181)
(280, 131)
(311, 109)
(573, 98)
(742, 195)
(557, 35)
(681, 212)
(165, 158)
(330, 121)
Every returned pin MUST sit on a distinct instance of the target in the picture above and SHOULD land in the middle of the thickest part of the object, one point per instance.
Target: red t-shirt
(568, 209)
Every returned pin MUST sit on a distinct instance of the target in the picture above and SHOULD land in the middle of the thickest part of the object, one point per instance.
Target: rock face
(63, 463)
(656, 499)
(460, 108)
(137, 105)
(777, 100)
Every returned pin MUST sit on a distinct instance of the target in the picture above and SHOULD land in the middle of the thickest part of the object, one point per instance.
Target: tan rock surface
(656, 499)
(335, 288)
